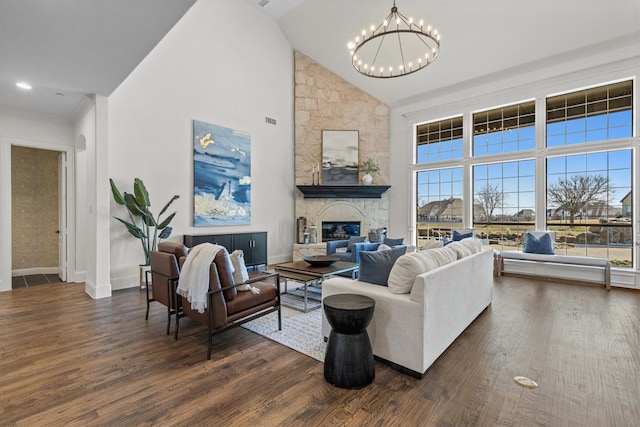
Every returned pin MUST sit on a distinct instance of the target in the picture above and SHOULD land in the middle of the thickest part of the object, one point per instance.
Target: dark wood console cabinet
(254, 245)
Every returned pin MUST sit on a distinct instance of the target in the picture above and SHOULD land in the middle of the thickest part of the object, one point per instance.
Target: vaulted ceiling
(69, 48)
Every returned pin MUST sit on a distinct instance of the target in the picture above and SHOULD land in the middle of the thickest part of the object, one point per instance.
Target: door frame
(6, 256)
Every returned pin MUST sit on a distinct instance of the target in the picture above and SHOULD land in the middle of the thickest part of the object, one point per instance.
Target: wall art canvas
(339, 157)
(221, 175)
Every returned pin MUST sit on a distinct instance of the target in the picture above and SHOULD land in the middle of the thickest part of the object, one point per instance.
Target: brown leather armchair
(164, 276)
(226, 307)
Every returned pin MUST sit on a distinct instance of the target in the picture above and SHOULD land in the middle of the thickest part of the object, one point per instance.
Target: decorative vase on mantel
(368, 168)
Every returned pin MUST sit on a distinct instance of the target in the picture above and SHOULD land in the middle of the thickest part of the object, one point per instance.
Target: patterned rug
(300, 331)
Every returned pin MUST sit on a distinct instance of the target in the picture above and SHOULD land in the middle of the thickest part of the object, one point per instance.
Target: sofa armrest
(332, 245)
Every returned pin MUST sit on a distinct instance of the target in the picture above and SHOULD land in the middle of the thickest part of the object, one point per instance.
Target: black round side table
(348, 362)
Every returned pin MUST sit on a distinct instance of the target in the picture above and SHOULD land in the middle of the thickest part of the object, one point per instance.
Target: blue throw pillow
(541, 245)
(393, 242)
(375, 266)
(446, 241)
(457, 236)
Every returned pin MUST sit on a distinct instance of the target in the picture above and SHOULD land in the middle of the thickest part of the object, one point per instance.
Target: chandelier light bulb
(350, 46)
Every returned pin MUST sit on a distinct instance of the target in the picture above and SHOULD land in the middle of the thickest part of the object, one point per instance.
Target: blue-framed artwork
(221, 175)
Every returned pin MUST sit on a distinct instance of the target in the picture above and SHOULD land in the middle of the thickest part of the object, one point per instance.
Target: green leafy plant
(369, 166)
(142, 223)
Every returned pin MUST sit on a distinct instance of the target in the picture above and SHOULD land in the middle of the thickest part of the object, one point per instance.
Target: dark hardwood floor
(66, 359)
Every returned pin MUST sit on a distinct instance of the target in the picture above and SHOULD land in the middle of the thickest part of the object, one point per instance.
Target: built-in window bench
(587, 261)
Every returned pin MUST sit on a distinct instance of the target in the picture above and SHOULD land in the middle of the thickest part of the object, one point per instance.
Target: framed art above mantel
(339, 157)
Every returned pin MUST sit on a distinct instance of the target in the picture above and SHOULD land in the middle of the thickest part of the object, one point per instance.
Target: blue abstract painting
(221, 175)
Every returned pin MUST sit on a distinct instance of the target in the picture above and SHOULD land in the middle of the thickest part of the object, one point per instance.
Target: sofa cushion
(472, 244)
(405, 270)
(441, 256)
(353, 240)
(432, 244)
(538, 245)
(376, 265)
(460, 249)
(393, 242)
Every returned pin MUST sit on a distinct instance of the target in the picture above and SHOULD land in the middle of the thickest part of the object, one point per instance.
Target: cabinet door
(225, 240)
(259, 249)
(254, 246)
(194, 240)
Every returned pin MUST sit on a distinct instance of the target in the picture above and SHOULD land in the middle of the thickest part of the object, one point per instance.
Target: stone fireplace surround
(325, 101)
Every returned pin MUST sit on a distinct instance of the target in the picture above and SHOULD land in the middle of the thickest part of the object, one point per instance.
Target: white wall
(29, 132)
(224, 63)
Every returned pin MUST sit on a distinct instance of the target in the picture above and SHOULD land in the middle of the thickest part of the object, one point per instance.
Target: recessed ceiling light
(24, 85)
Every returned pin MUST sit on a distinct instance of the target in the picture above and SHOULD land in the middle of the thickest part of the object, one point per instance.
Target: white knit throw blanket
(194, 275)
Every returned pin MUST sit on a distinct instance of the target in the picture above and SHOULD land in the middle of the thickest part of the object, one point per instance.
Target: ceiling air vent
(270, 120)
(263, 3)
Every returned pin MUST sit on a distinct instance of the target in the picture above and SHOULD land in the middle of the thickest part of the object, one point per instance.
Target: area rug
(300, 331)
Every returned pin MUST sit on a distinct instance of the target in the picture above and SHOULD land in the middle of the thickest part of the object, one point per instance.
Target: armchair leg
(177, 299)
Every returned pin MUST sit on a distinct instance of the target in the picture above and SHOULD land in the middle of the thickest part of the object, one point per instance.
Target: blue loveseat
(355, 245)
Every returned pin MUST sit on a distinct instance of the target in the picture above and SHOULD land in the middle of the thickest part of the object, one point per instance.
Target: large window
(588, 204)
(586, 156)
(504, 129)
(504, 201)
(439, 197)
(441, 140)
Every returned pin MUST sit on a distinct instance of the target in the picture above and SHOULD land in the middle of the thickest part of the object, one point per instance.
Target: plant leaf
(167, 205)
(116, 193)
(133, 229)
(142, 196)
(165, 233)
(132, 205)
(166, 222)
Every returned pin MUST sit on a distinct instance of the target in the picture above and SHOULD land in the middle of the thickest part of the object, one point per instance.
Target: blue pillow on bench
(541, 245)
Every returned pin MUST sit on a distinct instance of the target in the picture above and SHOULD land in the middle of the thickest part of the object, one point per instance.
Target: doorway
(38, 216)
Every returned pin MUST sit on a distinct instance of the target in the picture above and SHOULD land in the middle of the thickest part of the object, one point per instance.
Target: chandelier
(397, 47)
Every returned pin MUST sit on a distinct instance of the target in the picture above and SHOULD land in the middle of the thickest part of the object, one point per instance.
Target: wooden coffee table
(308, 275)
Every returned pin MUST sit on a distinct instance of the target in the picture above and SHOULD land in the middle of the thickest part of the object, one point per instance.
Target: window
(588, 154)
(504, 200)
(596, 114)
(589, 205)
(504, 129)
(441, 140)
(439, 197)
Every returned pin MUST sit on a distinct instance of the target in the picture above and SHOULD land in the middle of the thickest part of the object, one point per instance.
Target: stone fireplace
(325, 101)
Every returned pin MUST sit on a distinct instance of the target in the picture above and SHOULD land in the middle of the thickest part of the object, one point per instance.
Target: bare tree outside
(489, 198)
(575, 193)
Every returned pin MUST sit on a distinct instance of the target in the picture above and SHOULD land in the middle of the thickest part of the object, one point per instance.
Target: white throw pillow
(472, 244)
(240, 273)
(383, 247)
(405, 270)
(432, 244)
(460, 250)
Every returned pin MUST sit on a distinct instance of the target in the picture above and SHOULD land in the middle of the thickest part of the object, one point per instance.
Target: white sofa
(410, 330)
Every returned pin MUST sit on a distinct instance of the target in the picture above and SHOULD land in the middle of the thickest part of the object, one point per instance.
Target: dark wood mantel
(343, 191)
